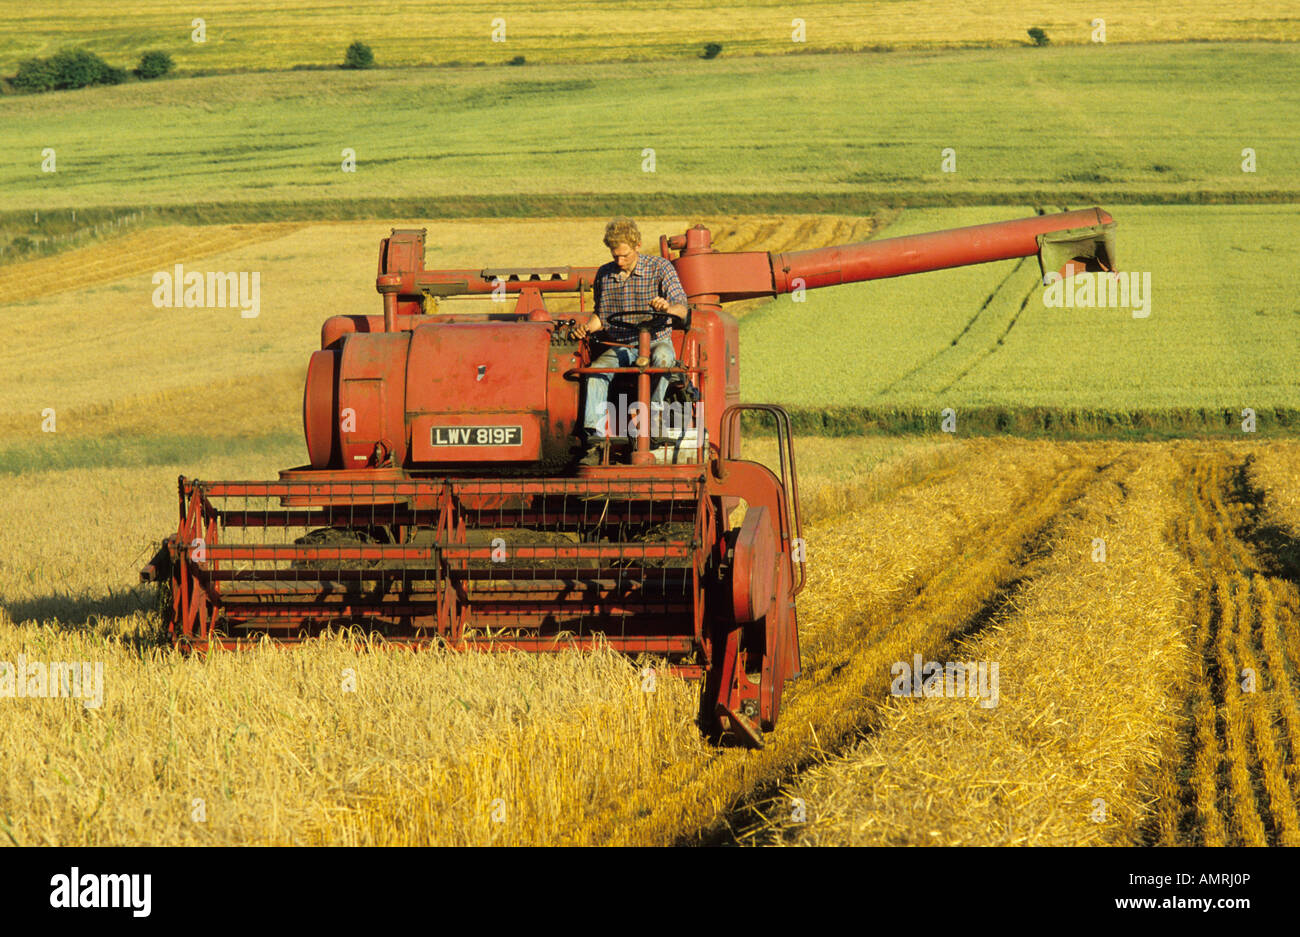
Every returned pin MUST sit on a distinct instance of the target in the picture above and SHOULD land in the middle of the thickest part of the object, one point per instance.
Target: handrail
(790, 507)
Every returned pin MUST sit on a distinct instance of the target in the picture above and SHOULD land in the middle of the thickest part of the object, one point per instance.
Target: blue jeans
(617, 356)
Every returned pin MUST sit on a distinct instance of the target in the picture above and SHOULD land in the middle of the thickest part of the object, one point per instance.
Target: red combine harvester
(443, 501)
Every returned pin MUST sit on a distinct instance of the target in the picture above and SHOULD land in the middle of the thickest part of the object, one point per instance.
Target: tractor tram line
(1240, 728)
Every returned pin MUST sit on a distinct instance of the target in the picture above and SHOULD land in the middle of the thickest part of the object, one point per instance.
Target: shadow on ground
(93, 614)
(1276, 546)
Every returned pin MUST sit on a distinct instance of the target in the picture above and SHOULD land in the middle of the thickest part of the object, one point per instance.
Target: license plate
(478, 436)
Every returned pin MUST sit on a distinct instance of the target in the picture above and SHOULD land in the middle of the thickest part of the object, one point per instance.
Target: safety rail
(792, 517)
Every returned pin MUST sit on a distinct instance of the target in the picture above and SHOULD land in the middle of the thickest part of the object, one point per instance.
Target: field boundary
(587, 204)
(1063, 423)
(895, 47)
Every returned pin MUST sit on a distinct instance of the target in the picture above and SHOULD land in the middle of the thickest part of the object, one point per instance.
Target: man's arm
(593, 323)
(671, 298)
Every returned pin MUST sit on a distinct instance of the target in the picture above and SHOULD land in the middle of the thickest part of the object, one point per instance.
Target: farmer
(630, 283)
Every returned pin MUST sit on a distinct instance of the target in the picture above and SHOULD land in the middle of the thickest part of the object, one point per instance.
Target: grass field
(768, 134)
(1220, 334)
(240, 34)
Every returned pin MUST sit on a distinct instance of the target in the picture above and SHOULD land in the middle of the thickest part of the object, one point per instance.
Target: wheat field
(269, 740)
(242, 35)
(1104, 705)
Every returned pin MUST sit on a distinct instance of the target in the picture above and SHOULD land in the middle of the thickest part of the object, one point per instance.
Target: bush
(22, 244)
(153, 65)
(1039, 37)
(34, 75)
(517, 60)
(71, 68)
(77, 68)
(359, 56)
(711, 50)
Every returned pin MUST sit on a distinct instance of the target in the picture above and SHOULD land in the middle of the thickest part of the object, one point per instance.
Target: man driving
(630, 283)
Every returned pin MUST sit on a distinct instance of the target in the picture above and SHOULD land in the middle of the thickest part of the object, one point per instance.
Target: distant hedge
(71, 68)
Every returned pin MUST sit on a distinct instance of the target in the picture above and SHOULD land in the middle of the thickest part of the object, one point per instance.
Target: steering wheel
(654, 321)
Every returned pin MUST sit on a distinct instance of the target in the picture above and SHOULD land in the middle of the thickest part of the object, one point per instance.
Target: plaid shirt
(651, 277)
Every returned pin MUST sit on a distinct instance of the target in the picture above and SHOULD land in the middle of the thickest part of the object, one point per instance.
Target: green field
(1121, 126)
(825, 133)
(1221, 334)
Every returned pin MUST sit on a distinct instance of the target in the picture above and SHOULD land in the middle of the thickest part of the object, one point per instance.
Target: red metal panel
(718, 336)
(478, 367)
(486, 373)
(336, 327)
(753, 565)
(733, 276)
(320, 408)
(371, 388)
(403, 253)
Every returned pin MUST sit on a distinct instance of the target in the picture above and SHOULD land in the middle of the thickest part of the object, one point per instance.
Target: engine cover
(442, 393)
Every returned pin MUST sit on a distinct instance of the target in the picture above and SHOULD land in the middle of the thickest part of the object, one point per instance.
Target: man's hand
(580, 331)
(659, 304)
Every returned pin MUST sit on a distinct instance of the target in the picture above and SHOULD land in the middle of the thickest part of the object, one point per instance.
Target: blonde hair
(622, 231)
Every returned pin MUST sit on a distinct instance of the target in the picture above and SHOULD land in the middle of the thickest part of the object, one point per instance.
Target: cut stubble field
(1148, 693)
